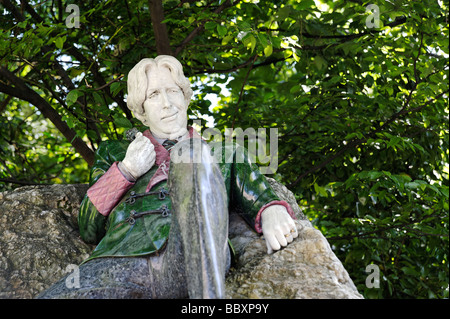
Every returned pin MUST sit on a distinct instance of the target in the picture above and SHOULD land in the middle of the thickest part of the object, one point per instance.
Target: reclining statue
(157, 207)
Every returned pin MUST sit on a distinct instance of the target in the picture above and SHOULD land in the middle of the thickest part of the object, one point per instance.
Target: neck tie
(168, 144)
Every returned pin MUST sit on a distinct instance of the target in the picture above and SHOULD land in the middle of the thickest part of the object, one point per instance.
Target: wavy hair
(137, 82)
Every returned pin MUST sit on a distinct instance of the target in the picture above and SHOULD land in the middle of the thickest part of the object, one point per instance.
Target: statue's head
(159, 95)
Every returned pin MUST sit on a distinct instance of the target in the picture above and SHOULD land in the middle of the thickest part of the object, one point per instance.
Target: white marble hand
(278, 227)
(140, 156)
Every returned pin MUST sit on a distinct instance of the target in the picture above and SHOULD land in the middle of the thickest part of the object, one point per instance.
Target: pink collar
(163, 157)
(161, 152)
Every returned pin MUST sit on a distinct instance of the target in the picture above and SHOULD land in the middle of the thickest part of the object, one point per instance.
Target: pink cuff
(106, 193)
(288, 207)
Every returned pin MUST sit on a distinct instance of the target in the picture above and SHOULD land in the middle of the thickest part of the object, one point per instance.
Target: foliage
(361, 110)
(48, 161)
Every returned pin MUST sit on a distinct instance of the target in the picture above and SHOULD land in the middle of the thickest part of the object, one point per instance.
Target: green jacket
(114, 231)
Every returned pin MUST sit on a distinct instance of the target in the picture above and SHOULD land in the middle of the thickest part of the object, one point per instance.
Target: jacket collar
(161, 153)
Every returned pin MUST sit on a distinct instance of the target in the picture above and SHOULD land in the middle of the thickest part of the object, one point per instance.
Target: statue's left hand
(278, 227)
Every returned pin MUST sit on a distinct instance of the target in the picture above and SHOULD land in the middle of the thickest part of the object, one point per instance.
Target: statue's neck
(178, 136)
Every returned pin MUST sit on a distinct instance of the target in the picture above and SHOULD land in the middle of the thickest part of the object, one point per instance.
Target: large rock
(39, 240)
(38, 237)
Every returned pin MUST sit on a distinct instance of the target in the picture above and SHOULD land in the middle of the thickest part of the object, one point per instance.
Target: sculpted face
(165, 106)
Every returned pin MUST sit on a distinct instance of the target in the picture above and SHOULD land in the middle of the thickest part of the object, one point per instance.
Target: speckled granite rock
(38, 237)
(305, 269)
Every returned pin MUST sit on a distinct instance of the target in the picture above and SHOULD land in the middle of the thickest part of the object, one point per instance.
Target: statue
(157, 207)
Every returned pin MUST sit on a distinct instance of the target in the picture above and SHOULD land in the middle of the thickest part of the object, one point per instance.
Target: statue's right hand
(140, 156)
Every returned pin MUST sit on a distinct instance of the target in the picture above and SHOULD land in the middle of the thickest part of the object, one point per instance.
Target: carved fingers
(278, 227)
(140, 156)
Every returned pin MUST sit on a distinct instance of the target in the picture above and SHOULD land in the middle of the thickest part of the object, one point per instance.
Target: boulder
(40, 243)
(38, 237)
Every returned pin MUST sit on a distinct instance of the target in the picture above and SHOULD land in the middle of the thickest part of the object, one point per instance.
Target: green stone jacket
(117, 234)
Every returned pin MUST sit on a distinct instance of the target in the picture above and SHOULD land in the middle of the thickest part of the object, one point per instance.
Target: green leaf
(69, 122)
(249, 41)
(227, 39)
(263, 39)
(74, 72)
(375, 175)
(72, 97)
(410, 271)
(393, 141)
(304, 4)
(244, 26)
(295, 89)
(59, 42)
(210, 25)
(122, 121)
(320, 62)
(320, 190)
(268, 50)
(222, 30)
(115, 88)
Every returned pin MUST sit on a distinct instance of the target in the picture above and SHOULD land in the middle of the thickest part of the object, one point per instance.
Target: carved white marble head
(159, 95)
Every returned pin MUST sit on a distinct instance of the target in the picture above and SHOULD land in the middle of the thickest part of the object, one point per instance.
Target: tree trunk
(159, 28)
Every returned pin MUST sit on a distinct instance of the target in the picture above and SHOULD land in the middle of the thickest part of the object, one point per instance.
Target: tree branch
(15, 12)
(345, 37)
(97, 77)
(395, 226)
(191, 36)
(241, 66)
(109, 83)
(23, 92)
(75, 53)
(55, 64)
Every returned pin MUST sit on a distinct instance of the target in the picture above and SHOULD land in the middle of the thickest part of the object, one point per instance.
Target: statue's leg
(147, 277)
(200, 215)
(126, 277)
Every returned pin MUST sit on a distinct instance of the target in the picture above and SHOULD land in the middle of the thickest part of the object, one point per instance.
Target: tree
(358, 94)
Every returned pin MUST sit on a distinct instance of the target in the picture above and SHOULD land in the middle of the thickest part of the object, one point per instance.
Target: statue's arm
(251, 193)
(107, 186)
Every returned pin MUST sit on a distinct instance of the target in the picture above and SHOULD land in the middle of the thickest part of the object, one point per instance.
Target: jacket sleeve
(250, 191)
(107, 186)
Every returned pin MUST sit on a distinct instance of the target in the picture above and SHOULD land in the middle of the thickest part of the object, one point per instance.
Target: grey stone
(306, 269)
(38, 237)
